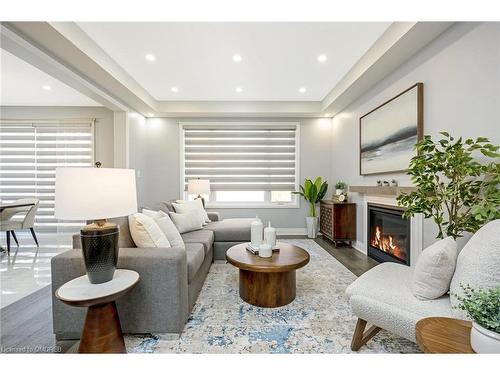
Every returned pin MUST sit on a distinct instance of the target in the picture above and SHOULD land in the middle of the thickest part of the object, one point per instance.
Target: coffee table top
(288, 258)
(80, 292)
(443, 335)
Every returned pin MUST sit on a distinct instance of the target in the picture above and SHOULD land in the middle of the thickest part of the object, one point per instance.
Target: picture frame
(388, 132)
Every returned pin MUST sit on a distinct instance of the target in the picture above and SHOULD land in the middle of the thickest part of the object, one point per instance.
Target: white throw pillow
(183, 207)
(187, 222)
(167, 227)
(145, 232)
(434, 269)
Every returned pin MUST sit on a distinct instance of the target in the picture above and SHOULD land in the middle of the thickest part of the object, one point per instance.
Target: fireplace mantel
(381, 190)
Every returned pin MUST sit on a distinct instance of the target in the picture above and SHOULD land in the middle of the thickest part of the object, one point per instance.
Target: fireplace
(388, 234)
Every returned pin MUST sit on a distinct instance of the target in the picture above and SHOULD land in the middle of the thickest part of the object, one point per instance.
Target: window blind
(241, 157)
(29, 156)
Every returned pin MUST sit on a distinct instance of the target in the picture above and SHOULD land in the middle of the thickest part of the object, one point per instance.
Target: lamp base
(202, 200)
(100, 250)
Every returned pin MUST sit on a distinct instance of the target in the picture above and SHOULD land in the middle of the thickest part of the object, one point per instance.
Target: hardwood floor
(26, 325)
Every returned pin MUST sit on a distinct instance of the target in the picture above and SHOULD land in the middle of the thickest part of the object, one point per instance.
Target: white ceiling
(277, 58)
(22, 84)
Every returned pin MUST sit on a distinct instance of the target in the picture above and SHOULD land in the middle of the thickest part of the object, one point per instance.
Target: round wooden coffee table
(268, 282)
(102, 331)
(443, 335)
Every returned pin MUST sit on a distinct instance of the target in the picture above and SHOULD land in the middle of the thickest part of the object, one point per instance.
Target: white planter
(312, 226)
(483, 340)
(338, 191)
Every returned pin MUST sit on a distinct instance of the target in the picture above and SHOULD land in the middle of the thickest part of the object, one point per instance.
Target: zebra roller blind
(241, 157)
(29, 155)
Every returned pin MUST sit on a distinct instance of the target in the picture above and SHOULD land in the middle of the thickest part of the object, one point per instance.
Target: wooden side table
(102, 332)
(443, 335)
(337, 221)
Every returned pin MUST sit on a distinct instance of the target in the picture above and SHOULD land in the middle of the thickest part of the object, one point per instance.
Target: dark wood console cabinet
(337, 221)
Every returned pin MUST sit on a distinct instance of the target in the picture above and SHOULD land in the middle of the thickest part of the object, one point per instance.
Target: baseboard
(291, 231)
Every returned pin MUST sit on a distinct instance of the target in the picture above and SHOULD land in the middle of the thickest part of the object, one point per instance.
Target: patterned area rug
(319, 320)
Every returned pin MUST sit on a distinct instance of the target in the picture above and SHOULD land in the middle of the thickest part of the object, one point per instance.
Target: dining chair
(9, 225)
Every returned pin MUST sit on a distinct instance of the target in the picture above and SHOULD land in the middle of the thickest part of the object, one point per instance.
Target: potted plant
(312, 192)
(340, 187)
(483, 307)
(457, 190)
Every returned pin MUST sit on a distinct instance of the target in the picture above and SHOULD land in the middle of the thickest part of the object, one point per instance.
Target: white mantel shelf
(381, 190)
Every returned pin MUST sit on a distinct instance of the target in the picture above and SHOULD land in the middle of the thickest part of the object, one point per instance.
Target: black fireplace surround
(388, 237)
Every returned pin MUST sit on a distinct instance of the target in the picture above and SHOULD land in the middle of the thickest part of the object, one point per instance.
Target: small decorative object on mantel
(379, 183)
(256, 233)
(386, 183)
(482, 306)
(394, 182)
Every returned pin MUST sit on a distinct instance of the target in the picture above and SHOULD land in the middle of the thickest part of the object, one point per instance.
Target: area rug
(319, 320)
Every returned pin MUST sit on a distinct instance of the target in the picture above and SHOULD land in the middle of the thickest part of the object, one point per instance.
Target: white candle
(270, 235)
(265, 251)
(256, 233)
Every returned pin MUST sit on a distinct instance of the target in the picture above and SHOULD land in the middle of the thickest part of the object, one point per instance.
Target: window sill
(210, 205)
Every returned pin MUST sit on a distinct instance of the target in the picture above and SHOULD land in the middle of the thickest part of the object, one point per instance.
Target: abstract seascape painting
(389, 132)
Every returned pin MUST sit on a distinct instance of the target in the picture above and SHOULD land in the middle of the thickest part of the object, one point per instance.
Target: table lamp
(96, 194)
(199, 187)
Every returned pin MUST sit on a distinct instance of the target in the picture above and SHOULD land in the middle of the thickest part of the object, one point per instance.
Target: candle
(256, 233)
(265, 251)
(270, 235)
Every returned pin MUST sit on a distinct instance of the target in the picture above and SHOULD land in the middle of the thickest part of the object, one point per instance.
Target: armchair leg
(360, 336)
(15, 238)
(34, 236)
(8, 242)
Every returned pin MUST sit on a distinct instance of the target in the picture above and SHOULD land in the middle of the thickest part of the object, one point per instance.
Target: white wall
(103, 124)
(155, 153)
(461, 75)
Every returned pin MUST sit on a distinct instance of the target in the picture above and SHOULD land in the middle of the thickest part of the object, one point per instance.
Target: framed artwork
(388, 133)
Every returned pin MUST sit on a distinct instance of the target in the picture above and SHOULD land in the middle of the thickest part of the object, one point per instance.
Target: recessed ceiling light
(322, 58)
(174, 89)
(150, 57)
(327, 115)
(239, 89)
(46, 87)
(302, 90)
(236, 58)
(151, 114)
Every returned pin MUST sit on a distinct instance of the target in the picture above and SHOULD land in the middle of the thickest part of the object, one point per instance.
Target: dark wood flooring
(26, 325)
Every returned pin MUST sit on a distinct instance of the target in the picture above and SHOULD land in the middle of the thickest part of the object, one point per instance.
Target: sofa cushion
(125, 238)
(204, 237)
(434, 269)
(389, 284)
(146, 232)
(478, 264)
(195, 255)
(196, 205)
(167, 226)
(231, 230)
(187, 222)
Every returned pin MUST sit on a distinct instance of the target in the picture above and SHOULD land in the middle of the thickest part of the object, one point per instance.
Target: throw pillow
(434, 269)
(182, 207)
(145, 232)
(187, 222)
(478, 264)
(167, 227)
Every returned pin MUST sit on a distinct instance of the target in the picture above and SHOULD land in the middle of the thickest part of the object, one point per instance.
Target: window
(248, 164)
(29, 155)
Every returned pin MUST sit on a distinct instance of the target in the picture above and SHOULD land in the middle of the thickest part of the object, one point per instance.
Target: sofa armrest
(213, 216)
(158, 303)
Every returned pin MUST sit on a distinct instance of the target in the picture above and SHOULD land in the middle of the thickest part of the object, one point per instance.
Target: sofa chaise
(171, 278)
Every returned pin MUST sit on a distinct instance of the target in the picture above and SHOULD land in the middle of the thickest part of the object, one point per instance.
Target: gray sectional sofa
(171, 278)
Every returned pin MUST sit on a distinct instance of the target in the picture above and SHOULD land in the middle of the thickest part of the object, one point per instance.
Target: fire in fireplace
(388, 234)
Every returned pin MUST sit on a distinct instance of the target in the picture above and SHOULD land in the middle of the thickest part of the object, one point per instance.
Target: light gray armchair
(9, 225)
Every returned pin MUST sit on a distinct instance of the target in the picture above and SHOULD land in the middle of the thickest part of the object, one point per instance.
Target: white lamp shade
(94, 193)
(199, 187)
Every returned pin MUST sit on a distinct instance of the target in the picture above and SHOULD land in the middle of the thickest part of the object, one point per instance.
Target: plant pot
(483, 340)
(339, 191)
(312, 226)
